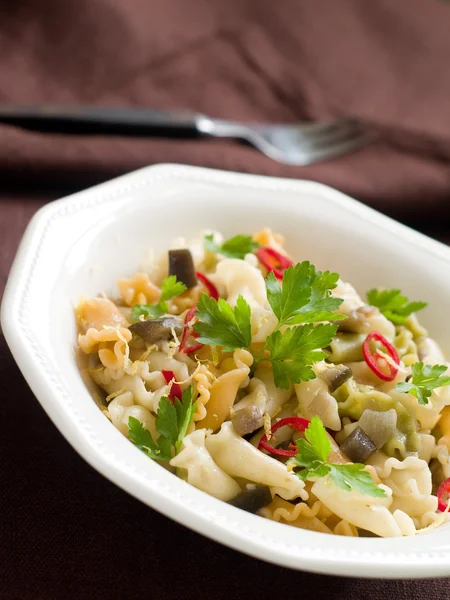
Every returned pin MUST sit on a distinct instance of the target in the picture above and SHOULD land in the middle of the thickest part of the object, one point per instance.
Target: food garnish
(424, 379)
(312, 455)
(393, 304)
(172, 422)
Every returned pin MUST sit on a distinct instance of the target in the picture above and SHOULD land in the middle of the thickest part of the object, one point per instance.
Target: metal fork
(296, 144)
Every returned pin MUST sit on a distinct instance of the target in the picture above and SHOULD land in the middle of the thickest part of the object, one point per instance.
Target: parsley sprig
(293, 352)
(425, 378)
(221, 325)
(236, 247)
(296, 343)
(172, 422)
(305, 296)
(170, 288)
(312, 456)
(393, 305)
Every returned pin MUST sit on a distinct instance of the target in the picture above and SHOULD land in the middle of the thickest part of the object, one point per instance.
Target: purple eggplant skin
(181, 264)
(358, 446)
(251, 500)
(155, 330)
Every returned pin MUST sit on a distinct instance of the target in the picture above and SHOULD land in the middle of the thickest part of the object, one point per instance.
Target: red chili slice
(175, 390)
(274, 261)
(208, 285)
(372, 358)
(189, 331)
(294, 423)
(443, 495)
(193, 348)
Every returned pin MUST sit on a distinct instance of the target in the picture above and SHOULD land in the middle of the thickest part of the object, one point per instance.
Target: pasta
(240, 278)
(202, 471)
(253, 464)
(314, 399)
(353, 507)
(224, 390)
(276, 387)
(410, 482)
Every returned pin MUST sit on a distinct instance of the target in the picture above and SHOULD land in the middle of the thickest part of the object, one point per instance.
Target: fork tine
(322, 127)
(332, 136)
(312, 155)
(295, 144)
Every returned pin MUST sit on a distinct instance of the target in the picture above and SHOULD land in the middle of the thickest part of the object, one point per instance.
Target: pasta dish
(275, 387)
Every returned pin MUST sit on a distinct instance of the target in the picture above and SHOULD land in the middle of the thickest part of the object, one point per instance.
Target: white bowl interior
(80, 246)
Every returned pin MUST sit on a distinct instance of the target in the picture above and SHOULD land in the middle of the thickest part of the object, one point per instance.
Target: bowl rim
(208, 516)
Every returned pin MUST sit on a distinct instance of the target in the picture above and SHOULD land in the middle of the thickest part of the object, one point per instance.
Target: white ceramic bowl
(81, 244)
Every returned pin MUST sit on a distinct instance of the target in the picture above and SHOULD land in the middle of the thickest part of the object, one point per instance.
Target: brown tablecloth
(384, 62)
(65, 531)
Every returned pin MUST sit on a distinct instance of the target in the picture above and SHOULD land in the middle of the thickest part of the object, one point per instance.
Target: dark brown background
(66, 532)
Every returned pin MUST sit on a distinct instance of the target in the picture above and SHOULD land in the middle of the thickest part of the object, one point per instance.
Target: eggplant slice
(251, 500)
(181, 264)
(155, 330)
(358, 446)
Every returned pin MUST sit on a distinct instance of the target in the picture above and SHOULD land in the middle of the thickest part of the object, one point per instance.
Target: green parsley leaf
(309, 457)
(316, 470)
(293, 352)
(393, 304)
(317, 437)
(167, 421)
(236, 247)
(142, 438)
(354, 476)
(322, 304)
(149, 311)
(316, 447)
(425, 378)
(313, 453)
(172, 422)
(305, 296)
(220, 325)
(185, 413)
(170, 288)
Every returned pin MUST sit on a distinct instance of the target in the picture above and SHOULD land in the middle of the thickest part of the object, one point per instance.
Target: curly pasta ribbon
(111, 345)
(105, 331)
(96, 313)
(410, 482)
(227, 446)
(313, 518)
(139, 289)
(346, 529)
(223, 391)
(204, 380)
(122, 408)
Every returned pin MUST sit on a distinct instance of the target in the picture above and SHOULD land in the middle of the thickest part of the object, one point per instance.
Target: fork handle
(92, 120)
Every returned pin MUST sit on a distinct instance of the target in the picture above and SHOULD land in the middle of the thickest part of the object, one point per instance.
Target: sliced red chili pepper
(175, 390)
(294, 423)
(443, 495)
(193, 348)
(372, 358)
(213, 292)
(189, 331)
(274, 261)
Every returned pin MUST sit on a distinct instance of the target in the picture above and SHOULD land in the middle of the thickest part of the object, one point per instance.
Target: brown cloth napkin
(66, 532)
(384, 62)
